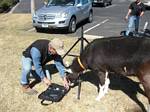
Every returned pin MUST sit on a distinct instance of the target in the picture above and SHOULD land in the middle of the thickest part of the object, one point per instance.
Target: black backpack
(147, 32)
(123, 33)
(53, 93)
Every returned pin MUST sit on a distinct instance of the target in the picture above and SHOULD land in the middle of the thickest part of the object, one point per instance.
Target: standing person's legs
(137, 24)
(131, 24)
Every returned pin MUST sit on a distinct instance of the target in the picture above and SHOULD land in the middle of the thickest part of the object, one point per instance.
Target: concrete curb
(12, 10)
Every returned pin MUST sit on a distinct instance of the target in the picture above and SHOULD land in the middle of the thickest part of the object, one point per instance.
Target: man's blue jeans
(27, 64)
(133, 25)
(26, 69)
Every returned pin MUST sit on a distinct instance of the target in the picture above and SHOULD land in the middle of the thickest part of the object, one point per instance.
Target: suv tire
(105, 4)
(110, 3)
(90, 18)
(72, 25)
(38, 29)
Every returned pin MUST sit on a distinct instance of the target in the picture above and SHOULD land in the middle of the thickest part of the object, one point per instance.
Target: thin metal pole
(32, 7)
(79, 88)
(71, 48)
(82, 40)
(81, 50)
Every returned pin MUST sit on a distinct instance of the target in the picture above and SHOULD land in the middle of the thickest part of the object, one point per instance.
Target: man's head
(56, 46)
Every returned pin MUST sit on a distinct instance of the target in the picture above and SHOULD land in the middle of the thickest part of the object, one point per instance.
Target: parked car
(147, 5)
(103, 2)
(63, 14)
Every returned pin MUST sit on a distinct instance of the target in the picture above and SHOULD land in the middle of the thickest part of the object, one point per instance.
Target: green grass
(14, 38)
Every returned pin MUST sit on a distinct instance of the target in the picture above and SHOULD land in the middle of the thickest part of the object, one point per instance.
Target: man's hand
(47, 81)
(66, 83)
(126, 18)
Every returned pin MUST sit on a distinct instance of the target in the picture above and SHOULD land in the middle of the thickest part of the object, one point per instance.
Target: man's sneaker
(26, 89)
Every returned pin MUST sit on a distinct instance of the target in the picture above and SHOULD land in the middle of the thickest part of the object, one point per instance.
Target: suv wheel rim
(90, 17)
(105, 4)
(73, 25)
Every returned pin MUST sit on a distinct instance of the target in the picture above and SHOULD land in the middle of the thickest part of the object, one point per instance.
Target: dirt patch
(125, 94)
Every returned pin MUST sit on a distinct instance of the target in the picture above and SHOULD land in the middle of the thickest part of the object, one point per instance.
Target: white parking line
(111, 6)
(96, 25)
(92, 37)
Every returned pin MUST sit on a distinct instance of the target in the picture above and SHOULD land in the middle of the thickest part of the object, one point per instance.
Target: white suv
(63, 14)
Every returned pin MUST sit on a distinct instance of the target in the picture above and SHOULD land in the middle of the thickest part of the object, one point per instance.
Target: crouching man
(38, 54)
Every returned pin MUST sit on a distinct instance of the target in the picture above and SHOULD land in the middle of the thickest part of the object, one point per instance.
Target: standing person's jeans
(133, 25)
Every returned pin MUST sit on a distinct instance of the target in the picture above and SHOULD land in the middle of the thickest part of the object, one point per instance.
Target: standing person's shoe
(26, 89)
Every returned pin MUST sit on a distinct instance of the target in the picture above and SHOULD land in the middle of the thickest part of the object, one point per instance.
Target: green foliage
(7, 4)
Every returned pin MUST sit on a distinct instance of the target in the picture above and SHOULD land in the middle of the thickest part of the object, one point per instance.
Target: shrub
(5, 5)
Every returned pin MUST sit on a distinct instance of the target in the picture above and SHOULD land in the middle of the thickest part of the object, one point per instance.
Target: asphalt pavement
(24, 6)
(108, 21)
(115, 15)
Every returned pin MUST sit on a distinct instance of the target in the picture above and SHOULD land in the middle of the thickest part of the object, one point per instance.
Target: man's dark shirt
(42, 46)
(43, 57)
(136, 9)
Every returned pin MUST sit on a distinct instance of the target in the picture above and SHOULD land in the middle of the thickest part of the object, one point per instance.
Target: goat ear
(68, 71)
